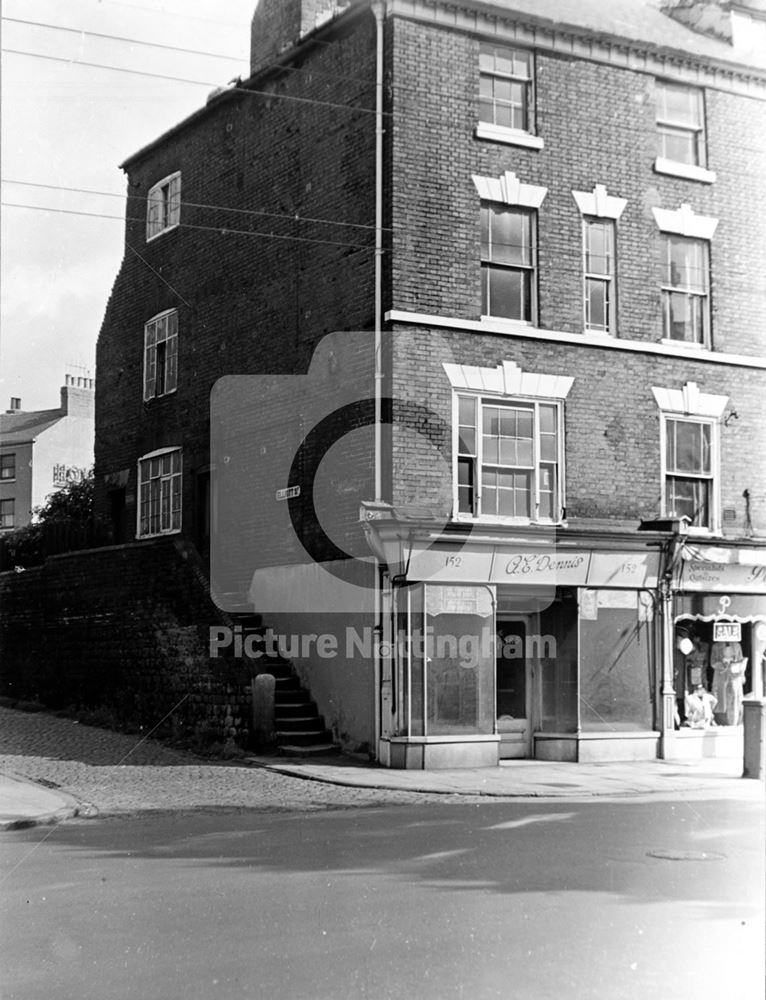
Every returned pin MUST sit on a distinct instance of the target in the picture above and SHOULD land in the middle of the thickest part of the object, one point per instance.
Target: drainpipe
(378, 10)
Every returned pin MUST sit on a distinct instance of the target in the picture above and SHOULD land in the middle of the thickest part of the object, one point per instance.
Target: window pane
(682, 147)
(599, 247)
(596, 304)
(689, 498)
(511, 237)
(679, 104)
(684, 317)
(688, 446)
(509, 294)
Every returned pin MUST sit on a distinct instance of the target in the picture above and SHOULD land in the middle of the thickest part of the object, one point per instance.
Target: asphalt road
(532, 900)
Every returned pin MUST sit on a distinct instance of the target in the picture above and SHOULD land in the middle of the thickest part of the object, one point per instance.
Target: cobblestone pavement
(115, 773)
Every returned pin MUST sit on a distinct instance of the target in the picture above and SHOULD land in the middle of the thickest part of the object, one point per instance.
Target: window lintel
(684, 222)
(507, 379)
(599, 204)
(509, 190)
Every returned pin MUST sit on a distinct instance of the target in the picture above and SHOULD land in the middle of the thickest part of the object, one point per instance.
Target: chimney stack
(279, 24)
(15, 406)
(78, 397)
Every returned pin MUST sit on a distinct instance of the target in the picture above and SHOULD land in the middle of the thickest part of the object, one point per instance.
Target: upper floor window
(690, 453)
(159, 487)
(163, 210)
(7, 514)
(600, 293)
(505, 87)
(689, 479)
(8, 466)
(508, 261)
(506, 96)
(508, 458)
(161, 355)
(680, 124)
(685, 289)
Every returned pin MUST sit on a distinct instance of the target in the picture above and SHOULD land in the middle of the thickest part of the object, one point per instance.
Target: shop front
(507, 649)
(719, 647)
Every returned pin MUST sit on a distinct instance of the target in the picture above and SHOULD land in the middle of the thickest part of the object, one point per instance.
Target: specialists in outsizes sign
(723, 577)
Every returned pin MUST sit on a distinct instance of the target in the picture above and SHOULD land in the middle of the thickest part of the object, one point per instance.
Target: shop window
(689, 473)
(8, 466)
(508, 262)
(447, 661)
(509, 459)
(615, 664)
(161, 355)
(163, 207)
(159, 484)
(713, 667)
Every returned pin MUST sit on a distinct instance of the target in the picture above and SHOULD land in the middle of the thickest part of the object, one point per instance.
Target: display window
(718, 660)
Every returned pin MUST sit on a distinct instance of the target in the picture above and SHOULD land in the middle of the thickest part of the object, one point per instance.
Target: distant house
(43, 450)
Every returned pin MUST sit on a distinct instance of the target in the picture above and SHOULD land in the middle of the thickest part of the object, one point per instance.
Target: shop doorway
(514, 679)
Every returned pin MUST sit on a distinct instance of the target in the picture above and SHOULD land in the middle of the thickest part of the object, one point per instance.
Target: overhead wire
(202, 83)
(194, 52)
(221, 230)
(294, 217)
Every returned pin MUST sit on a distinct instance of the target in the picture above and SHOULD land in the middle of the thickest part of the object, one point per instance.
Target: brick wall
(598, 125)
(257, 300)
(613, 463)
(123, 629)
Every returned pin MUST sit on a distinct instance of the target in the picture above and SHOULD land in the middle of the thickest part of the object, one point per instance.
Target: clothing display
(729, 666)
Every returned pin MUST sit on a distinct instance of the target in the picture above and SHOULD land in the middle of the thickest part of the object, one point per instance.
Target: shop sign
(624, 569)
(557, 568)
(726, 577)
(727, 632)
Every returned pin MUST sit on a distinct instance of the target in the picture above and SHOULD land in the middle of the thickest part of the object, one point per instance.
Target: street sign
(288, 493)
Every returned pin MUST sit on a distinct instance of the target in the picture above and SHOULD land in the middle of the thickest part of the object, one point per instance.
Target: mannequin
(728, 682)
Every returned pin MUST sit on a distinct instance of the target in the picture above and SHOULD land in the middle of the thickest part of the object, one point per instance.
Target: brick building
(43, 450)
(443, 334)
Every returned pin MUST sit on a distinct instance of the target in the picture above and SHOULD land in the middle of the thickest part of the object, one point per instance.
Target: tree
(72, 503)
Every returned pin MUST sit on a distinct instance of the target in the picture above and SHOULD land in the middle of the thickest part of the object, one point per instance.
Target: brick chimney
(278, 24)
(78, 397)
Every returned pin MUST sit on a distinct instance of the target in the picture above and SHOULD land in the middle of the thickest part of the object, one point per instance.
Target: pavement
(55, 768)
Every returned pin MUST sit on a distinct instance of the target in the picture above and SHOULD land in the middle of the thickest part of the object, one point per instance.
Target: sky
(69, 125)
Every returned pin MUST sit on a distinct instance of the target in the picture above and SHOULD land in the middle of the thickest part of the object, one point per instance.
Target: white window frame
(174, 521)
(668, 125)
(691, 405)
(163, 206)
(606, 279)
(693, 293)
(712, 478)
(598, 206)
(509, 191)
(490, 263)
(685, 222)
(508, 385)
(489, 129)
(161, 329)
